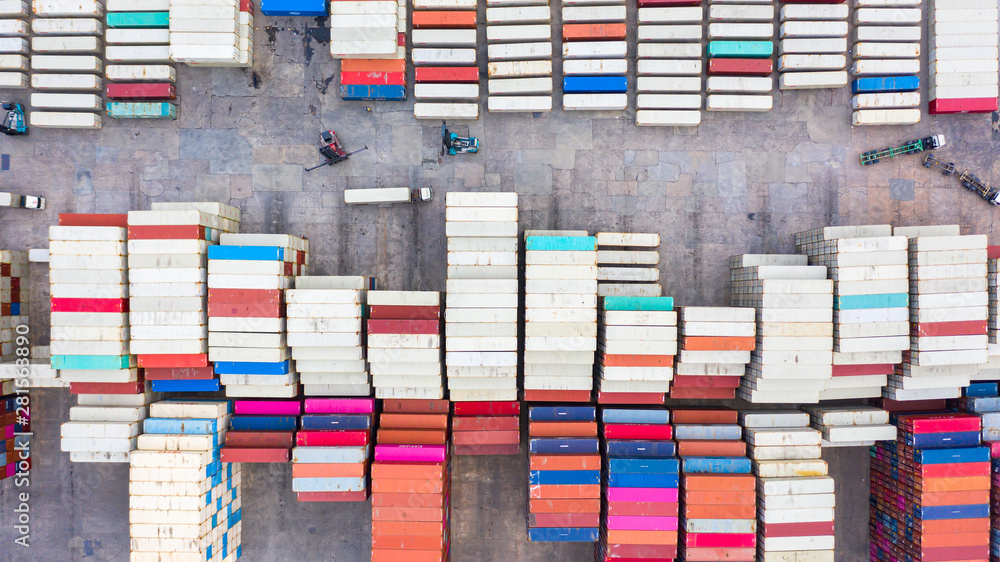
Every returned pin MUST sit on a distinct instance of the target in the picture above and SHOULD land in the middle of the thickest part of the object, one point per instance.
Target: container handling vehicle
(455, 144)
(13, 123)
(932, 142)
(946, 168)
(33, 202)
(989, 194)
(331, 149)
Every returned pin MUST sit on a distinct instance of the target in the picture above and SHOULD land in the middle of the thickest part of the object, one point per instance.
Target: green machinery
(932, 142)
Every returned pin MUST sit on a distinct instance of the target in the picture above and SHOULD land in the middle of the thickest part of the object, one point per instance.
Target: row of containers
(76, 54)
(813, 40)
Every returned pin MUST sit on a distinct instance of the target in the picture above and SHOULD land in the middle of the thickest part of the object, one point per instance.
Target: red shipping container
(387, 312)
(935, 329)
(173, 360)
(697, 416)
(564, 519)
(89, 219)
(486, 408)
(647, 398)
(709, 381)
(167, 232)
(804, 529)
(965, 105)
(724, 540)
(245, 296)
(862, 370)
(474, 438)
(374, 78)
(638, 431)
(260, 439)
(446, 74)
(485, 423)
(331, 496)
(644, 509)
(332, 438)
(141, 91)
(711, 448)
(106, 388)
(992, 252)
(404, 327)
(237, 454)
(89, 305)
(740, 67)
(939, 423)
(179, 373)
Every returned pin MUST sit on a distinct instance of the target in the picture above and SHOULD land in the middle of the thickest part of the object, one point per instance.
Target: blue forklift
(455, 144)
(13, 120)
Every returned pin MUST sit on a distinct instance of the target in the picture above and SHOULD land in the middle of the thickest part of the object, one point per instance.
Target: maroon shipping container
(142, 91)
(741, 67)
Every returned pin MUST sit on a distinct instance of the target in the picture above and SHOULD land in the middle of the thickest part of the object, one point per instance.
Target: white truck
(386, 195)
(21, 201)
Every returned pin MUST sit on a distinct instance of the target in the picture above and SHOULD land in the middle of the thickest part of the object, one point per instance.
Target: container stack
(930, 490)
(14, 305)
(247, 278)
(560, 316)
(326, 334)
(963, 58)
(444, 54)
(261, 431)
(595, 67)
(211, 32)
(330, 458)
(370, 38)
(793, 357)
(138, 50)
(994, 505)
(66, 64)
(637, 339)
(520, 57)
(639, 486)
(717, 513)
(627, 265)
(990, 371)
(167, 272)
(813, 47)
(870, 329)
(411, 482)
(851, 426)
(90, 334)
(14, 48)
(486, 428)
(886, 68)
(184, 501)
(11, 445)
(715, 345)
(482, 297)
(564, 474)
(949, 311)
(668, 63)
(740, 39)
(404, 344)
(795, 496)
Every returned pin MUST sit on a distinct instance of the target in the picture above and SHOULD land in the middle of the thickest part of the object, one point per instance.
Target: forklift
(331, 149)
(455, 144)
(13, 121)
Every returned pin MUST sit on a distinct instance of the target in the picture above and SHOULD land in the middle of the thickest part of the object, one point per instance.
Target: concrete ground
(738, 183)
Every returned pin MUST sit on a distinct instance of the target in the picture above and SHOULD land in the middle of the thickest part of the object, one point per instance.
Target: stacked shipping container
(247, 278)
(444, 52)
(930, 490)
(794, 302)
(167, 275)
(795, 497)
(138, 34)
(13, 304)
(948, 314)
(595, 66)
(13, 44)
(67, 64)
(14, 449)
(627, 265)
(637, 342)
(486, 428)
(740, 40)
(717, 500)
(963, 57)
(261, 431)
(639, 486)
(325, 325)
(520, 57)
(668, 65)
(813, 47)
(564, 474)
(715, 345)
(411, 482)
(211, 32)
(334, 429)
(482, 296)
(851, 426)
(404, 344)
(886, 84)
(370, 37)
(560, 318)
(184, 501)
(870, 331)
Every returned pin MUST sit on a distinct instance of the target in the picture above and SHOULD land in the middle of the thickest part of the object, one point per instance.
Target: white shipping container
(137, 53)
(444, 37)
(885, 67)
(517, 51)
(424, 56)
(668, 84)
(519, 69)
(811, 62)
(872, 50)
(427, 91)
(157, 73)
(812, 80)
(71, 44)
(13, 27)
(892, 99)
(595, 49)
(511, 86)
(47, 8)
(68, 63)
(668, 50)
(887, 33)
(595, 102)
(740, 30)
(72, 26)
(812, 29)
(669, 33)
(137, 36)
(519, 14)
(684, 14)
(14, 62)
(446, 110)
(13, 45)
(592, 67)
(594, 14)
(519, 103)
(813, 45)
(14, 80)
(740, 13)
(814, 12)
(886, 117)
(887, 16)
(750, 84)
(666, 67)
(723, 102)
(518, 33)
(66, 101)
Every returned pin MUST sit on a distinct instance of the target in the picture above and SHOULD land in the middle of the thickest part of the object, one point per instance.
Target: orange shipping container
(694, 415)
(430, 514)
(708, 448)
(720, 511)
(444, 19)
(413, 421)
(593, 31)
(424, 471)
(564, 506)
(719, 482)
(387, 499)
(668, 538)
(564, 462)
(720, 498)
(428, 555)
(564, 491)
(410, 486)
(372, 65)
(407, 528)
(324, 470)
(707, 343)
(411, 436)
(959, 484)
(562, 429)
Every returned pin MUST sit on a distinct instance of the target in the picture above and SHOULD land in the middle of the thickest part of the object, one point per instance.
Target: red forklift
(331, 149)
